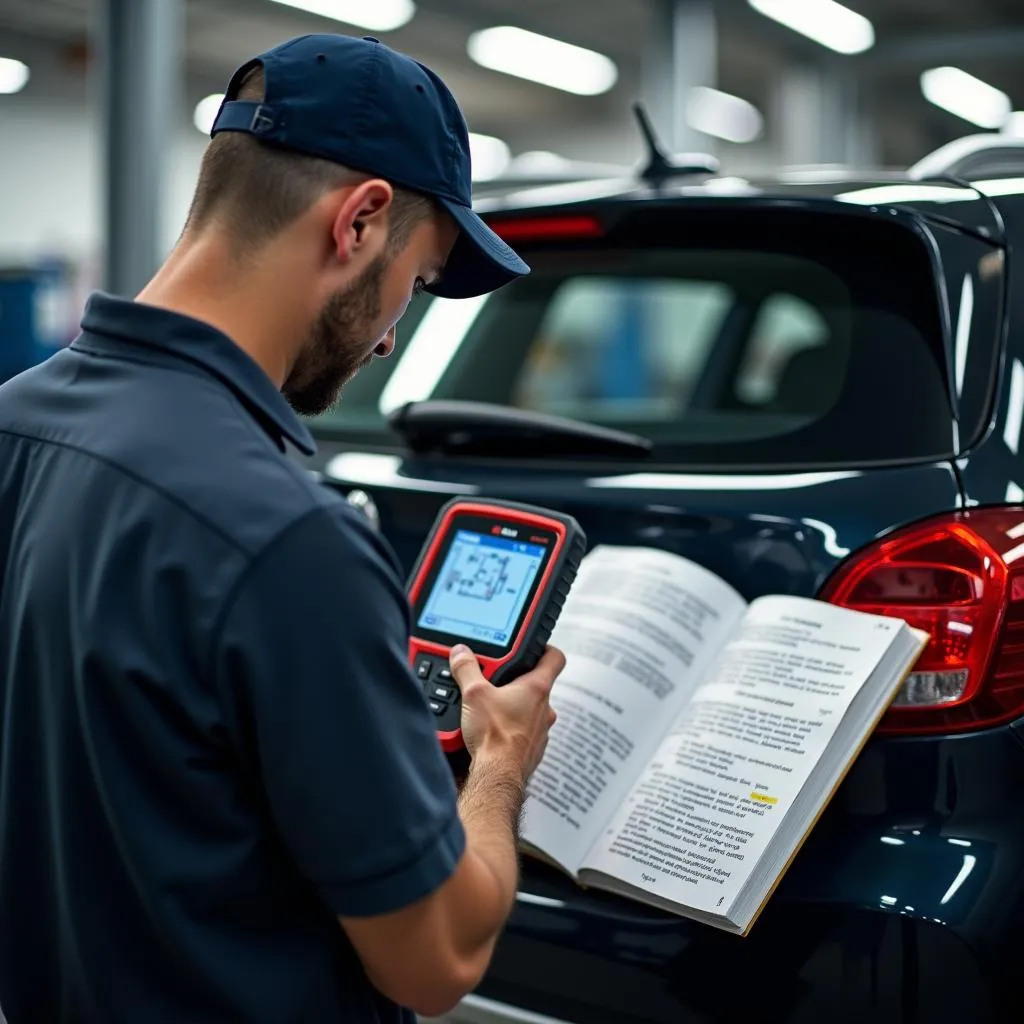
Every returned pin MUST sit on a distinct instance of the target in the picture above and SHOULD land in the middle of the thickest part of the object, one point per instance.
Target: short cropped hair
(255, 189)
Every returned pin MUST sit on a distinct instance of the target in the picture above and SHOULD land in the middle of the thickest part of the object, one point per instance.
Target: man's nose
(387, 345)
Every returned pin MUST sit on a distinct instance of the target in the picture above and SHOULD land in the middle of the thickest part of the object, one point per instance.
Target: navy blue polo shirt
(210, 742)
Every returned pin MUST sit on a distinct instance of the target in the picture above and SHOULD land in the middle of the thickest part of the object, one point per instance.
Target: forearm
(490, 807)
(429, 955)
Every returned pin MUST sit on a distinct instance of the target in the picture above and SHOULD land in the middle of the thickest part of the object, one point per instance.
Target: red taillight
(541, 229)
(961, 579)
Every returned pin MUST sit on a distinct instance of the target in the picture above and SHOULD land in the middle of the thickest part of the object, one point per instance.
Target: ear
(360, 225)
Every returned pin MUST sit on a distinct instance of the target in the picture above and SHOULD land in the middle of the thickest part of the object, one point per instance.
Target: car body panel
(906, 903)
(993, 472)
(879, 882)
(763, 533)
(773, 533)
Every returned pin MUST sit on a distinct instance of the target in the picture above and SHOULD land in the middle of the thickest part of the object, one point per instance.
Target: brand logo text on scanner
(508, 531)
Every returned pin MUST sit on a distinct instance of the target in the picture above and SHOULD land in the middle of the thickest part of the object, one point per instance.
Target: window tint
(610, 348)
(760, 343)
(785, 328)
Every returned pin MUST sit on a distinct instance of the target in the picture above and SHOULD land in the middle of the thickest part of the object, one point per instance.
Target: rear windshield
(726, 336)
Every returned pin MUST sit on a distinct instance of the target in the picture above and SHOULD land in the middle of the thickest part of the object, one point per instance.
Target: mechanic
(221, 793)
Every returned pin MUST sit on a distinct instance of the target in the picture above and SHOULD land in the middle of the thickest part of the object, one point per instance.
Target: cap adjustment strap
(246, 116)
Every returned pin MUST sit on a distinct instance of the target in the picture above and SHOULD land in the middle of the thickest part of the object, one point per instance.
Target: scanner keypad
(440, 689)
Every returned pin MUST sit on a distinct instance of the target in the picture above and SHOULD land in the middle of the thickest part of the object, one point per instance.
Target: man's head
(353, 159)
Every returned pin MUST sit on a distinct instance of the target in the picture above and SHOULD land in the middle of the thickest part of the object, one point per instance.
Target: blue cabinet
(33, 316)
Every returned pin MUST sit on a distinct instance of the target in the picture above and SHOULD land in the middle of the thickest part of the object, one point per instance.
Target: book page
(694, 827)
(639, 629)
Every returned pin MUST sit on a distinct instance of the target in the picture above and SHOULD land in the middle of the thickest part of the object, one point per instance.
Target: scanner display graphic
(482, 587)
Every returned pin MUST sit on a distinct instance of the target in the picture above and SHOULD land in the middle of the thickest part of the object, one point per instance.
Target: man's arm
(430, 955)
(311, 658)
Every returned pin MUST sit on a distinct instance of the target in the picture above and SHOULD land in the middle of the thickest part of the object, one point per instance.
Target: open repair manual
(699, 737)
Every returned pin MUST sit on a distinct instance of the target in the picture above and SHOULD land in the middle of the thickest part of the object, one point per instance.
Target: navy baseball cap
(359, 103)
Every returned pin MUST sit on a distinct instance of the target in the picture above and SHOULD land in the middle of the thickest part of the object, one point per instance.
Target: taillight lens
(961, 579)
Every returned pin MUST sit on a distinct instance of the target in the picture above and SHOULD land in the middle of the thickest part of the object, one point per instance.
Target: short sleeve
(312, 661)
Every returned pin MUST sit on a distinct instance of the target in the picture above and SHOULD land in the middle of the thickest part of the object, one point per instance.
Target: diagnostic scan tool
(492, 575)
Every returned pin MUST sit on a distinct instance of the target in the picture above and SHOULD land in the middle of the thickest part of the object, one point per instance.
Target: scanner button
(423, 667)
(437, 707)
(444, 674)
(442, 692)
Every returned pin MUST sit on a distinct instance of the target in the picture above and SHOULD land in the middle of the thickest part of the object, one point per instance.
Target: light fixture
(490, 156)
(13, 75)
(537, 58)
(966, 96)
(723, 115)
(376, 15)
(206, 112)
(824, 21)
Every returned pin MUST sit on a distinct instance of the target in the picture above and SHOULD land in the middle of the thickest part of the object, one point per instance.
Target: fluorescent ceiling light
(13, 75)
(824, 21)
(206, 112)
(723, 115)
(537, 58)
(490, 156)
(966, 96)
(377, 15)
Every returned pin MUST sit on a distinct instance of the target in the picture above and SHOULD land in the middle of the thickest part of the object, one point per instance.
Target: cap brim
(480, 261)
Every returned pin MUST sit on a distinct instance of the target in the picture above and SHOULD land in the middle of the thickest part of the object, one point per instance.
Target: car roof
(961, 184)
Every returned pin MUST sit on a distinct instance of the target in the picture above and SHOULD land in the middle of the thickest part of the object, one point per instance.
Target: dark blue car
(811, 386)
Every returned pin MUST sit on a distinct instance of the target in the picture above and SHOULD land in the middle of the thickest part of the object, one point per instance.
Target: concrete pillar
(818, 117)
(139, 42)
(681, 54)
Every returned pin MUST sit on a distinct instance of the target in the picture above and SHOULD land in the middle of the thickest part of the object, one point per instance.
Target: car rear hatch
(705, 375)
(795, 368)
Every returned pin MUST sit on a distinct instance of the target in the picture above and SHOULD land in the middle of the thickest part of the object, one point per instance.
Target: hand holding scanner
(492, 575)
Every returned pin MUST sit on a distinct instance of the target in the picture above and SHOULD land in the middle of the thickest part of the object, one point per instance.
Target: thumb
(464, 666)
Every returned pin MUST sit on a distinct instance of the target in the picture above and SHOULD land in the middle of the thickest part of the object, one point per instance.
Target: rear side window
(762, 339)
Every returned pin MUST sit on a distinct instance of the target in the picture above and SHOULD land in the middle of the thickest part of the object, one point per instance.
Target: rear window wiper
(479, 428)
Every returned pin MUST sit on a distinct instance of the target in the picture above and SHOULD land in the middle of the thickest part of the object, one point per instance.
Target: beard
(337, 347)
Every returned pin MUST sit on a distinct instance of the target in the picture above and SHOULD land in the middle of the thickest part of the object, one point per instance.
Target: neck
(254, 304)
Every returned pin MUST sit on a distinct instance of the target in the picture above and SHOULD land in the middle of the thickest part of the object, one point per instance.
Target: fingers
(553, 661)
(466, 670)
(548, 669)
(464, 666)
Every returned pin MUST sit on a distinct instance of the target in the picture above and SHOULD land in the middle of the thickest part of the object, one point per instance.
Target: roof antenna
(661, 167)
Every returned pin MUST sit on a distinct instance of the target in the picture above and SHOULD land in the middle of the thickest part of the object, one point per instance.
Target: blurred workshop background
(105, 106)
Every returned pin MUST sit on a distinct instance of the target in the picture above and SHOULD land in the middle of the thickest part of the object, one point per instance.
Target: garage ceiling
(984, 37)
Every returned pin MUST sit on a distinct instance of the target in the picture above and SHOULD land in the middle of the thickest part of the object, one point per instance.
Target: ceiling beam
(944, 47)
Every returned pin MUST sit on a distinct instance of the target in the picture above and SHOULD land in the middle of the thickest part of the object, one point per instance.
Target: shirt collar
(110, 317)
